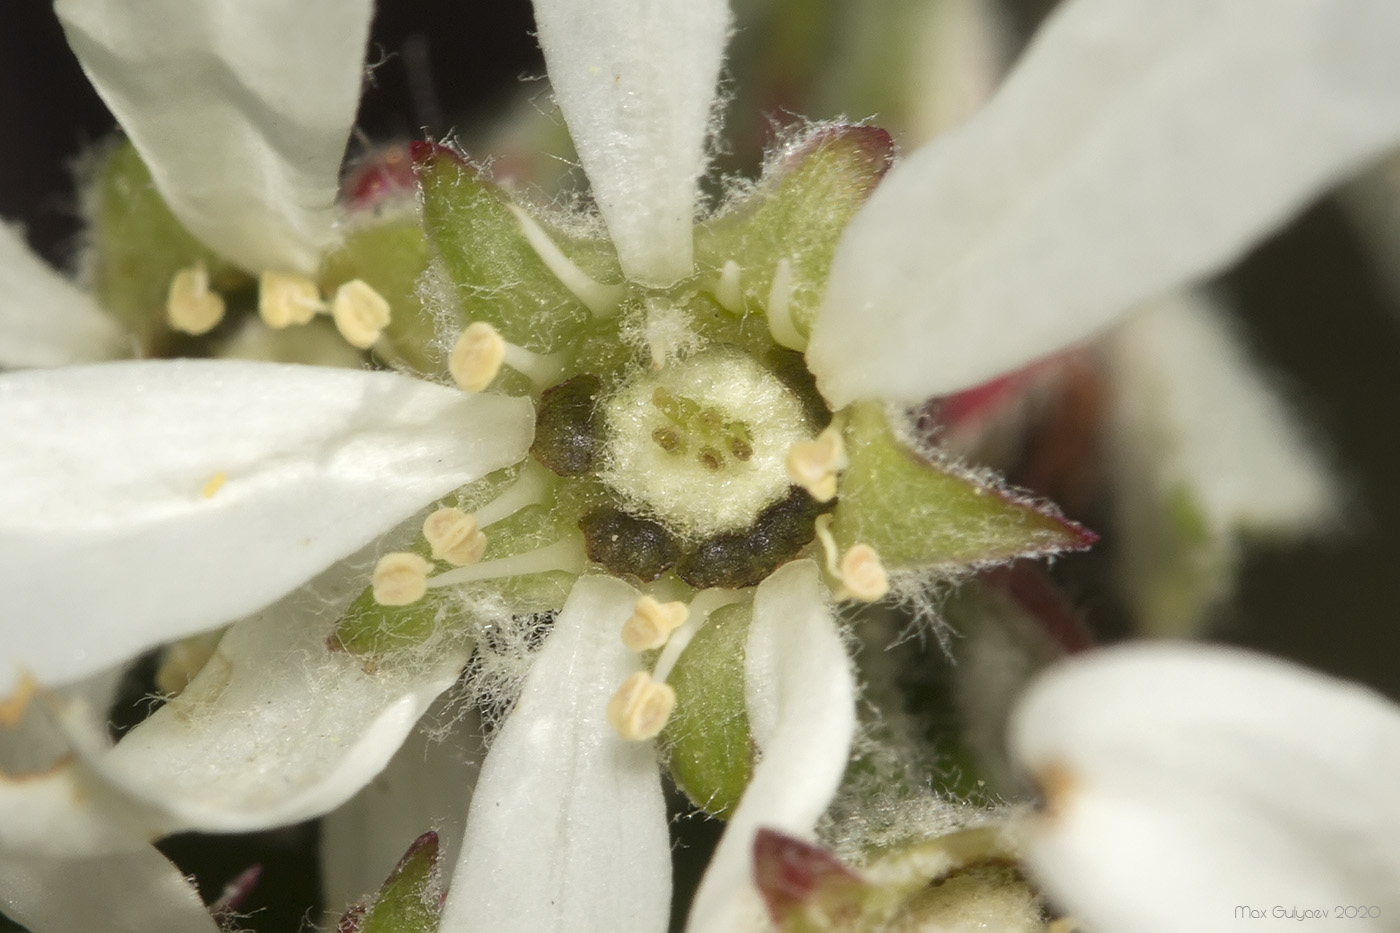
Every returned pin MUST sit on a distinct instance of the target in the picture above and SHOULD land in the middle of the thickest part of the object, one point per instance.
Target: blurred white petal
(1184, 781)
(636, 82)
(68, 811)
(132, 892)
(45, 320)
(1137, 145)
(1199, 413)
(241, 110)
(1203, 452)
(801, 706)
(275, 729)
(567, 830)
(144, 501)
(963, 47)
(426, 785)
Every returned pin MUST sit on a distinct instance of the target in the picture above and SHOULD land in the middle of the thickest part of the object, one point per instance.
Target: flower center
(701, 445)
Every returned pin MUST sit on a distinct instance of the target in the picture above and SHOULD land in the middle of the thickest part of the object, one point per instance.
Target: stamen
(602, 300)
(360, 313)
(476, 360)
(181, 661)
(640, 708)
(813, 465)
(566, 555)
(704, 603)
(190, 307)
(728, 292)
(528, 489)
(400, 578)
(284, 300)
(828, 543)
(453, 536)
(863, 576)
(780, 323)
(652, 622)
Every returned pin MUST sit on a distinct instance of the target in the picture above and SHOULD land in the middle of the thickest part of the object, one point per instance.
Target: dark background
(1310, 300)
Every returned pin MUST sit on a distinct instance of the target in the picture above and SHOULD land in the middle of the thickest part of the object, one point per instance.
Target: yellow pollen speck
(640, 708)
(215, 483)
(360, 313)
(400, 579)
(14, 706)
(284, 300)
(476, 359)
(1064, 925)
(453, 536)
(652, 623)
(813, 465)
(190, 307)
(1058, 786)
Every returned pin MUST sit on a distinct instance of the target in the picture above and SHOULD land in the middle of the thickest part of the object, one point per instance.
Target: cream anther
(476, 359)
(640, 708)
(727, 291)
(780, 323)
(360, 313)
(652, 622)
(602, 300)
(181, 661)
(400, 578)
(284, 300)
(863, 577)
(454, 537)
(481, 351)
(813, 464)
(190, 307)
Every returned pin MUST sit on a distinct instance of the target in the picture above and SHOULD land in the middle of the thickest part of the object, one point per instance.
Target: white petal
(241, 110)
(426, 785)
(144, 501)
(801, 705)
(33, 744)
(45, 320)
(134, 892)
(567, 829)
(67, 811)
(275, 729)
(1205, 779)
(1196, 411)
(636, 81)
(1137, 145)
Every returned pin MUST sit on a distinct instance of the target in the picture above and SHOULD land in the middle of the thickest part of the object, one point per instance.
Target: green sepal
(370, 629)
(497, 275)
(707, 737)
(805, 199)
(392, 257)
(919, 514)
(930, 885)
(139, 245)
(410, 901)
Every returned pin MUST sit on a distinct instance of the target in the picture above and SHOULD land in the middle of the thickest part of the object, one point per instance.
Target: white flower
(1136, 145)
(1217, 787)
